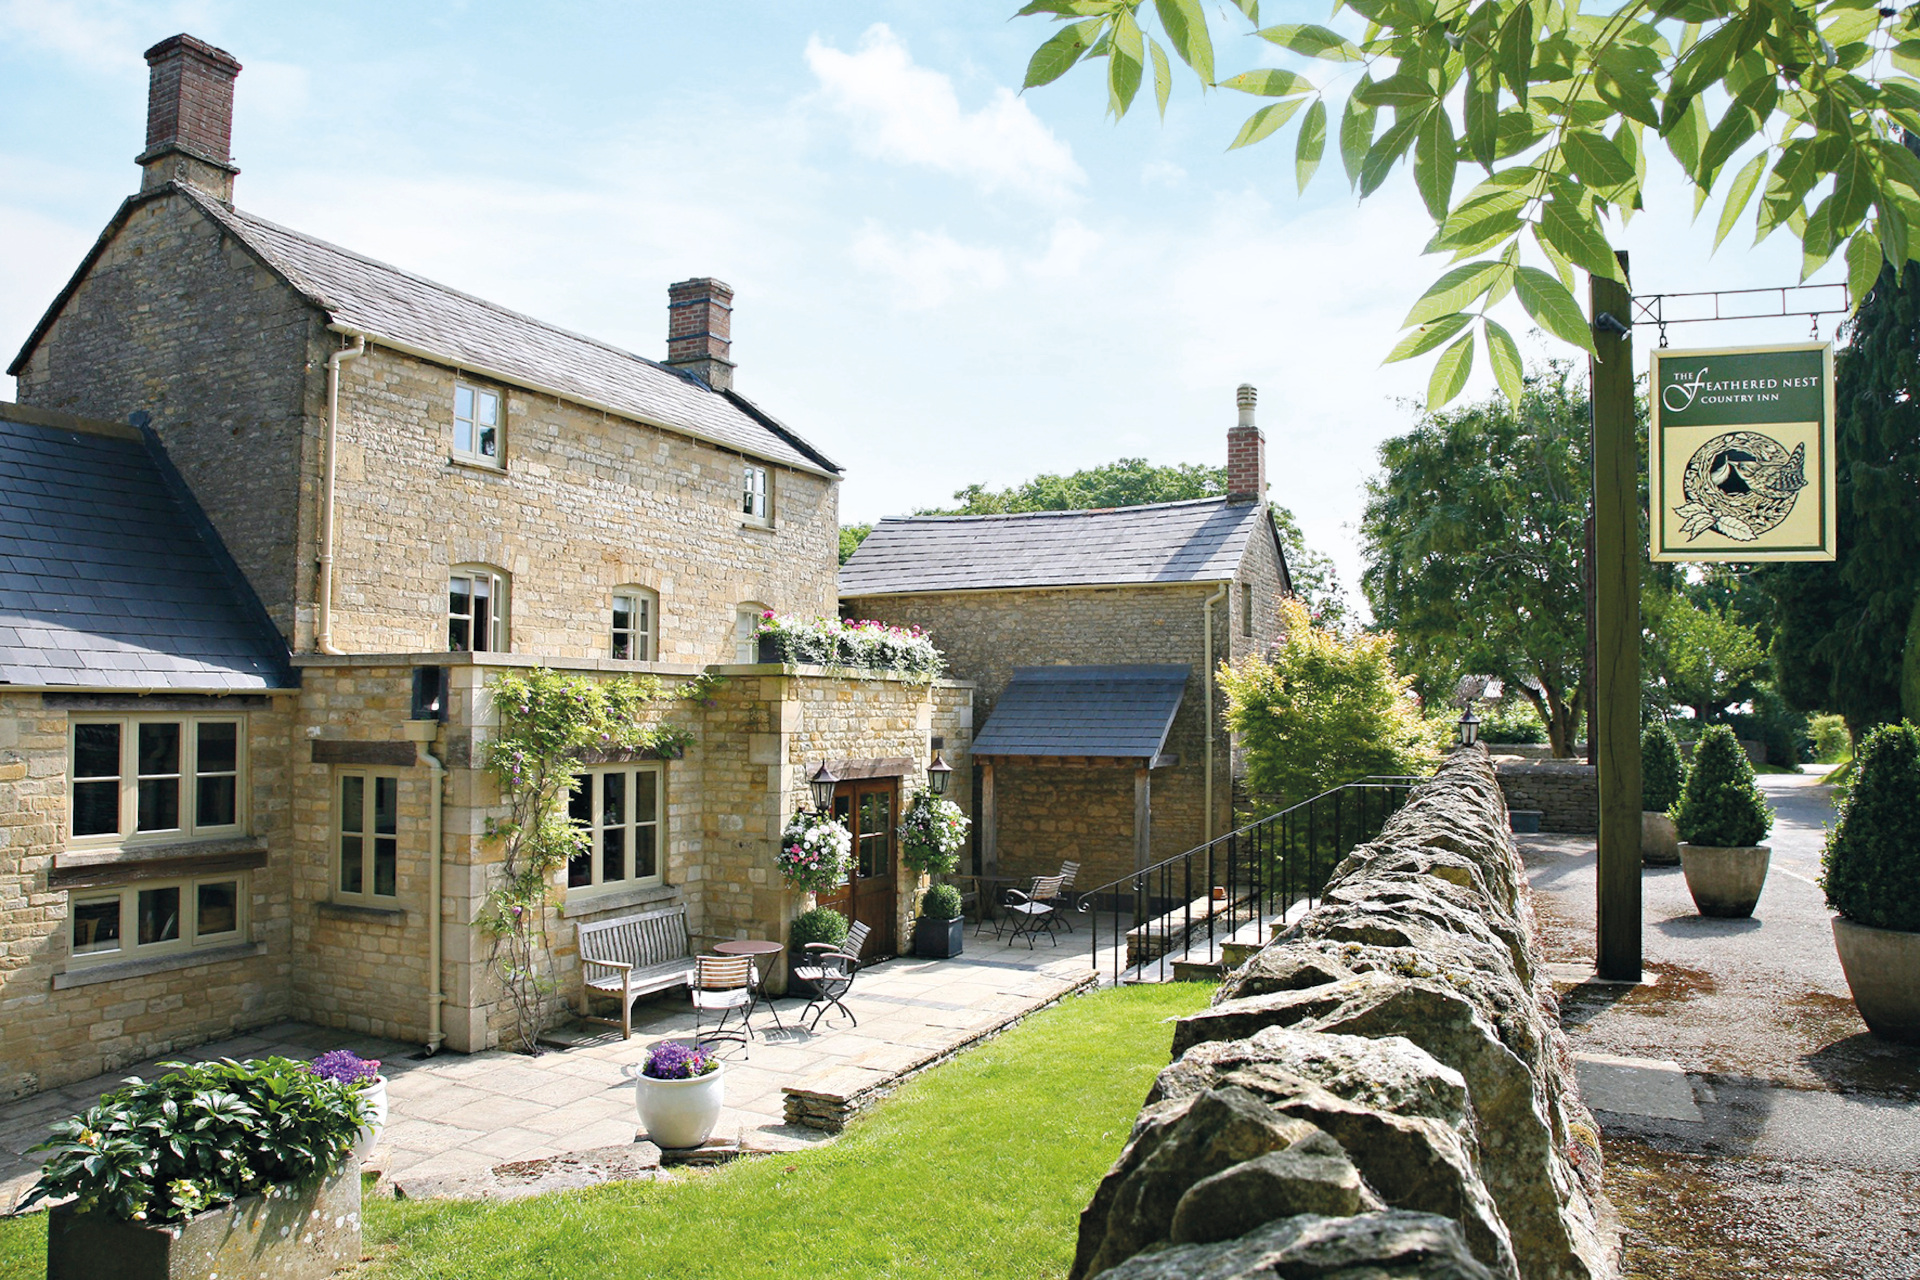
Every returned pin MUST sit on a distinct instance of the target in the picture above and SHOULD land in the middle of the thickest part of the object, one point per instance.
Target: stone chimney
(1246, 454)
(700, 330)
(190, 117)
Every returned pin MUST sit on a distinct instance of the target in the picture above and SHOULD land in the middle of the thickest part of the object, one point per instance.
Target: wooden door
(869, 807)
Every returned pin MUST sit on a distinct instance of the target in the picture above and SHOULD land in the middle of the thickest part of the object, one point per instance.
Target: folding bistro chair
(831, 974)
(1033, 911)
(723, 983)
(1069, 872)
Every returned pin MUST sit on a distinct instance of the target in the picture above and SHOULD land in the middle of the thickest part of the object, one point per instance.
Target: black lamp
(822, 784)
(1469, 727)
(939, 773)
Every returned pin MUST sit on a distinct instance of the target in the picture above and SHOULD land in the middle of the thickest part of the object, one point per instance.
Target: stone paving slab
(498, 1124)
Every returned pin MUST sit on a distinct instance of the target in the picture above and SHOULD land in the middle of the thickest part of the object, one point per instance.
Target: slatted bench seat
(633, 956)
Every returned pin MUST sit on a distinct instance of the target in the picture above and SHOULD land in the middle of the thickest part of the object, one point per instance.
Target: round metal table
(756, 948)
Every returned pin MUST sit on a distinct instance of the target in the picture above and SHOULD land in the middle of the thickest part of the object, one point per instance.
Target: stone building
(365, 495)
(1091, 639)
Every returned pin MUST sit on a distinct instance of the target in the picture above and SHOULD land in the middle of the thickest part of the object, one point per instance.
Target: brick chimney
(190, 117)
(1246, 454)
(700, 330)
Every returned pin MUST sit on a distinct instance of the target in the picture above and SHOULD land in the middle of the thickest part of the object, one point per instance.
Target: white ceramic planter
(1883, 970)
(1659, 841)
(376, 1093)
(1725, 882)
(679, 1113)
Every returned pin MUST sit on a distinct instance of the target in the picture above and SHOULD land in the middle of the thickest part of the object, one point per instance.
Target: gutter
(323, 622)
(1206, 613)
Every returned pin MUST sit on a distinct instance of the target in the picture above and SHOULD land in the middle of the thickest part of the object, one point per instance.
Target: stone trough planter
(287, 1233)
(1725, 882)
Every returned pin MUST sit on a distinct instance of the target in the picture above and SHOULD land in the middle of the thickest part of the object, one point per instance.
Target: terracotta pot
(1659, 841)
(1725, 882)
(679, 1113)
(1883, 969)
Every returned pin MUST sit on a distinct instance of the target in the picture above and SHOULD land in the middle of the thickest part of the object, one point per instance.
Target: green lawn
(979, 1168)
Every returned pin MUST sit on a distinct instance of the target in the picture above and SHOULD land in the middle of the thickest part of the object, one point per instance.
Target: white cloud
(101, 36)
(1068, 249)
(909, 114)
(926, 268)
(1162, 173)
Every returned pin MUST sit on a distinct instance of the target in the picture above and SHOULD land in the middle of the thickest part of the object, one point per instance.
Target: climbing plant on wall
(548, 721)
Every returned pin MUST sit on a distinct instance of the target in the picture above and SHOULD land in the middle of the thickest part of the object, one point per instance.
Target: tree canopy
(1697, 653)
(1559, 109)
(1473, 534)
(1133, 482)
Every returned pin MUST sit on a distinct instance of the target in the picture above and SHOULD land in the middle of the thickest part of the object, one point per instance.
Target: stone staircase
(1202, 963)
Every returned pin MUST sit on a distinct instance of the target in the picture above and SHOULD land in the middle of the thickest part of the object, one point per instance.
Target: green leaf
(1427, 337)
(1314, 41)
(1057, 56)
(1356, 135)
(1125, 64)
(1906, 56)
(1381, 156)
(1162, 77)
(1685, 136)
(1853, 190)
(1504, 355)
(1594, 158)
(1251, 8)
(1578, 238)
(1863, 265)
(1482, 117)
(1738, 194)
(1455, 290)
(1551, 304)
(1311, 144)
(1735, 127)
(1450, 372)
(1270, 82)
(1186, 26)
(1265, 121)
(1516, 50)
(1434, 158)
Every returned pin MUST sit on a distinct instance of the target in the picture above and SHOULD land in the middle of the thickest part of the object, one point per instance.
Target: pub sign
(1742, 454)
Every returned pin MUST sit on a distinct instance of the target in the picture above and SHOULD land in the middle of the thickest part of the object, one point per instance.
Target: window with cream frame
(151, 918)
(756, 493)
(636, 614)
(477, 607)
(155, 778)
(620, 807)
(476, 425)
(746, 623)
(366, 839)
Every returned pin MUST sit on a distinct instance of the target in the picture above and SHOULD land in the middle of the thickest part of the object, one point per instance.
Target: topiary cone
(1722, 818)
(1872, 878)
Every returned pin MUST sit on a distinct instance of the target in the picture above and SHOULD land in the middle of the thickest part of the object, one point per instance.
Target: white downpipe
(1206, 612)
(436, 829)
(323, 623)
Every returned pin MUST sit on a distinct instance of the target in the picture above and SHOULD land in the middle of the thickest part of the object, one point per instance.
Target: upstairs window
(634, 609)
(476, 425)
(155, 776)
(746, 625)
(476, 609)
(756, 498)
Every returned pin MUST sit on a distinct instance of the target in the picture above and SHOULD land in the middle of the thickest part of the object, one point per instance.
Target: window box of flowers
(1872, 877)
(678, 1092)
(847, 644)
(214, 1169)
(1722, 818)
(344, 1067)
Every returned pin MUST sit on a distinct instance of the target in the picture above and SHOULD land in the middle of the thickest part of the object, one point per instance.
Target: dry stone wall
(1382, 1091)
(1566, 793)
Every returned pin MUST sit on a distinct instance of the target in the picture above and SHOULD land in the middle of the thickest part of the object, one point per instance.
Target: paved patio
(454, 1117)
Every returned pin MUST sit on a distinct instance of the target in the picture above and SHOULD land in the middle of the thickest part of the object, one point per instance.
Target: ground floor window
(368, 826)
(619, 808)
(135, 921)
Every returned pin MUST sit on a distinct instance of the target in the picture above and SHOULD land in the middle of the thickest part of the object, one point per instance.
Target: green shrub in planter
(1872, 858)
(1719, 806)
(822, 924)
(1661, 771)
(941, 902)
(204, 1135)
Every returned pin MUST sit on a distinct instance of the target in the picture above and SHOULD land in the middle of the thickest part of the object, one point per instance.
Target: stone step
(1198, 971)
(1236, 954)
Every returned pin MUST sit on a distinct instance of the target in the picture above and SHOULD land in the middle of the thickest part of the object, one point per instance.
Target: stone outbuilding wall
(1566, 792)
(1384, 1090)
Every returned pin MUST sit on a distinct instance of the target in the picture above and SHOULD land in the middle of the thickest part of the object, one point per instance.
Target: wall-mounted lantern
(939, 773)
(822, 784)
(1469, 727)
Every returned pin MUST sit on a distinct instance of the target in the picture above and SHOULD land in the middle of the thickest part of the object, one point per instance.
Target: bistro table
(755, 948)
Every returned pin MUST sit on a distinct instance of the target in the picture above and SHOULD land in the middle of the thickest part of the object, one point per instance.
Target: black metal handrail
(1203, 896)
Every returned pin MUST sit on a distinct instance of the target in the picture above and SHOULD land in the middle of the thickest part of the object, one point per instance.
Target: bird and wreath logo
(1740, 485)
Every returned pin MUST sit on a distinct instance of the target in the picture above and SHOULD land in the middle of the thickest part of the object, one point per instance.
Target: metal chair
(1069, 872)
(1033, 911)
(831, 974)
(724, 983)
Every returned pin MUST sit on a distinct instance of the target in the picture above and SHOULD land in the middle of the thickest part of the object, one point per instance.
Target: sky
(938, 280)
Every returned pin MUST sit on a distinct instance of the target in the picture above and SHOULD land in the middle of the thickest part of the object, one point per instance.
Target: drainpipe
(323, 624)
(1206, 612)
(422, 731)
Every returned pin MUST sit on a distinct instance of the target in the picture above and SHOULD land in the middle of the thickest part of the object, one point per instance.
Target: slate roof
(1198, 541)
(109, 577)
(417, 315)
(1085, 711)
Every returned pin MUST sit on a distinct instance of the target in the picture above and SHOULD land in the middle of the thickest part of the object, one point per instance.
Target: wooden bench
(633, 956)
